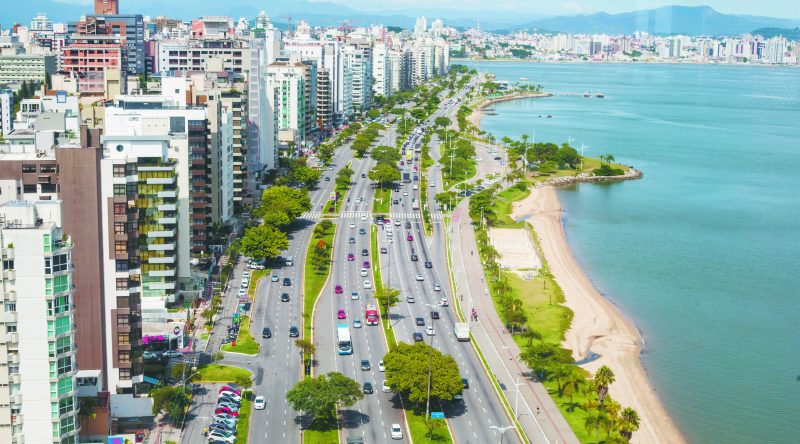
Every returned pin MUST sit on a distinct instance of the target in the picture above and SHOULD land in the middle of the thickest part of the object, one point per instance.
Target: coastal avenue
(371, 417)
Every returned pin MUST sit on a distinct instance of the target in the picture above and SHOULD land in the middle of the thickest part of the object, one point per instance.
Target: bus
(409, 155)
(343, 344)
(371, 315)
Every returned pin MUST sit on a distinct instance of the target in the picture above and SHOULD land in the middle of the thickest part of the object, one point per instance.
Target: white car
(352, 225)
(385, 388)
(396, 223)
(260, 403)
(172, 354)
(405, 193)
(381, 367)
(419, 277)
(243, 292)
(354, 295)
(443, 302)
(367, 284)
(416, 187)
(397, 431)
(430, 331)
(410, 299)
(437, 287)
(363, 217)
(245, 274)
(364, 272)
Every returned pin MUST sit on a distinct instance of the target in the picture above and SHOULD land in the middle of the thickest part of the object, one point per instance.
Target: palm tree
(610, 158)
(612, 409)
(592, 422)
(530, 335)
(629, 422)
(573, 385)
(604, 377)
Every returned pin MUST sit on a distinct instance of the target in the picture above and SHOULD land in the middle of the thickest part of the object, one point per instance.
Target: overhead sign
(437, 415)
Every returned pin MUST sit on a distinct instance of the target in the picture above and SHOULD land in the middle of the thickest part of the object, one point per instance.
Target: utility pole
(583, 147)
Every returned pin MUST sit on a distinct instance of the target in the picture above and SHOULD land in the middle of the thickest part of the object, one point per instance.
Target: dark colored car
(414, 257)
(465, 381)
(428, 264)
(365, 365)
(266, 333)
(365, 252)
(417, 336)
(287, 282)
(434, 315)
(419, 321)
(384, 250)
(352, 240)
(294, 332)
(368, 389)
(408, 225)
(284, 297)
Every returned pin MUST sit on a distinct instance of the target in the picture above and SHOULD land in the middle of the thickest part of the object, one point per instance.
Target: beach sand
(598, 324)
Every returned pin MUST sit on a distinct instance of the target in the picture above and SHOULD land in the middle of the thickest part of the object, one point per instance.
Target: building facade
(26, 68)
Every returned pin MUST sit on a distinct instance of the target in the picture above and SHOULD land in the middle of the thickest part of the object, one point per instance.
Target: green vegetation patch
(421, 433)
(221, 373)
(382, 202)
(317, 268)
(243, 426)
(245, 343)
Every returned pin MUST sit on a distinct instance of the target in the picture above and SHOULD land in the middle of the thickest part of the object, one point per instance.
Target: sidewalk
(499, 349)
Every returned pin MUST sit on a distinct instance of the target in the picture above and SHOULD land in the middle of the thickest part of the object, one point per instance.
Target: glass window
(120, 209)
(119, 189)
(48, 168)
(29, 188)
(28, 168)
(64, 386)
(47, 245)
(122, 283)
(64, 365)
(120, 247)
(119, 170)
(125, 374)
(119, 228)
(177, 125)
(49, 188)
(60, 262)
(124, 356)
(123, 338)
(123, 320)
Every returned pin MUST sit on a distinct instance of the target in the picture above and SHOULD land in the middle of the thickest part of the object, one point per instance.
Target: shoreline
(476, 116)
(598, 323)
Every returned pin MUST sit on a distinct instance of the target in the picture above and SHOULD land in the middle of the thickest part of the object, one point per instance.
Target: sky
(770, 8)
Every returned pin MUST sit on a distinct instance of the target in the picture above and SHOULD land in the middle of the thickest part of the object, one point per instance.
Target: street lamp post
(502, 430)
(430, 367)
(583, 147)
(516, 397)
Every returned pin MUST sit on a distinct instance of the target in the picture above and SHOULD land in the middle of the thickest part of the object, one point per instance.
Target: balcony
(167, 220)
(9, 275)
(16, 419)
(161, 260)
(167, 207)
(8, 317)
(161, 180)
(163, 233)
(15, 399)
(9, 253)
(15, 378)
(11, 296)
(161, 273)
(161, 247)
(165, 194)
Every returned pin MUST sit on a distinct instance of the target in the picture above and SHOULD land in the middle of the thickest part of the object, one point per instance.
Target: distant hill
(697, 20)
(791, 34)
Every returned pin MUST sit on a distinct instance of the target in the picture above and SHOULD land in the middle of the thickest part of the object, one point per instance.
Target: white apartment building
(6, 111)
(381, 70)
(38, 391)
(357, 59)
(289, 88)
(196, 54)
(261, 120)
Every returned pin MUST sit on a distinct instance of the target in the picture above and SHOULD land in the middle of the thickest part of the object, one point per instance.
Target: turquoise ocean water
(703, 254)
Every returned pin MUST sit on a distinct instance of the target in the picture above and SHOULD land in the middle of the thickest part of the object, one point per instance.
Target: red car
(366, 264)
(338, 289)
(351, 257)
(409, 238)
(341, 314)
(387, 221)
(225, 410)
(227, 388)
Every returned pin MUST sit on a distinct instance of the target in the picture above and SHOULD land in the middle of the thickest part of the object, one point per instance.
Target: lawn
(376, 277)
(243, 426)
(382, 203)
(221, 373)
(503, 205)
(423, 198)
(320, 432)
(551, 320)
(419, 432)
(314, 280)
(589, 164)
(255, 276)
(245, 343)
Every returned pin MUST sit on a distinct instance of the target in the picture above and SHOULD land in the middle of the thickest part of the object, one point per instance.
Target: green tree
(282, 199)
(244, 381)
(593, 421)
(319, 396)
(443, 122)
(408, 367)
(387, 298)
(531, 335)
(628, 423)
(305, 175)
(568, 155)
(386, 154)
(603, 378)
(263, 242)
(384, 174)
(548, 167)
(305, 346)
(543, 358)
(431, 425)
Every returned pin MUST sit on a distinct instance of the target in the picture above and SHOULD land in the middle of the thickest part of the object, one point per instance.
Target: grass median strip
(317, 269)
(243, 425)
(245, 343)
(382, 202)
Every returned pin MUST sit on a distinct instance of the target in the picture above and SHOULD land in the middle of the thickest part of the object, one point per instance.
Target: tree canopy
(384, 173)
(283, 199)
(320, 395)
(263, 241)
(386, 154)
(407, 367)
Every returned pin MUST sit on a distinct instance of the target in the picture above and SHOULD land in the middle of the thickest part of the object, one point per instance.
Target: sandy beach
(598, 324)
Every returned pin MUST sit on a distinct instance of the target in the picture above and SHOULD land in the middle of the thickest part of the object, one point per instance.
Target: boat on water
(524, 79)
(549, 116)
(599, 95)
(586, 94)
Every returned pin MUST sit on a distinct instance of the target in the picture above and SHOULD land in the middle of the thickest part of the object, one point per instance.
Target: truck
(406, 177)
(462, 331)
(371, 315)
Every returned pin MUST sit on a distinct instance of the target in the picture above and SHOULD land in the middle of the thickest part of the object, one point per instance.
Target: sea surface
(703, 253)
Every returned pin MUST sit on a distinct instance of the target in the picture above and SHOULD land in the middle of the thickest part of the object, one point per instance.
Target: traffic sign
(437, 415)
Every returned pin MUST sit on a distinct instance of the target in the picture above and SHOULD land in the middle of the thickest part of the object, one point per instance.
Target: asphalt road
(371, 417)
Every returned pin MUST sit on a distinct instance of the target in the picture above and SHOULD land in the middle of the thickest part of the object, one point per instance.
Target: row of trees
(366, 138)
(280, 206)
(321, 255)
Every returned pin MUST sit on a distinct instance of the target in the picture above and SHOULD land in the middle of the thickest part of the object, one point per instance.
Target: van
(289, 261)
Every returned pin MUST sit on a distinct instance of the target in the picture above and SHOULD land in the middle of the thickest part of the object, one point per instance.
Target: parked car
(255, 266)
(228, 388)
(217, 436)
(219, 410)
(151, 356)
(260, 403)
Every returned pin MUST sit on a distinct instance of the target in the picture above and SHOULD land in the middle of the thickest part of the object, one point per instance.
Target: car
(428, 264)
(433, 185)
(327, 178)
(172, 354)
(227, 404)
(367, 387)
(367, 284)
(416, 187)
(405, 193)
(151, 356)
(362, 230)
(363, 272)
(414, 257)
(381, 367)
(255, 266)
(287, 282)
(224, 419)
(363, 217)
(465, 381)
(357, 323)
(365, 264)
(396, 202)
(352, 240)
(387, 221)
(417, 336)
(384, 250)
(341, 314)
(294, 332)
(434, 315)
(284, 297)
(274, 278)
(227, 410)
(351, 257)
(409, 238)
(338, 289)
(242, 292)
(389, 234)
(365, 365)
(365, 252)
(228, 388)
(217, 436)
(229, 397)
(437, 287)
(408, 225)
(430, 331)
(266, 333)
(260, 403)
(354, 295)
(396, 431)
(396, 223)
(385, 387)
(419, 277)
(352, 225)
(246, 274)
(410, 299)
(443, 302)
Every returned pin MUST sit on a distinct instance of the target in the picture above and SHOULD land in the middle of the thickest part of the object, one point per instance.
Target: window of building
(120, 247)
(60, 263)
(64, 365)
(132, 188)
(177, 125)
(119, 228)
(122, 283)
(120, 209)
(29, 188)
(123, 320)
(124, 356)
(66, 405)
(48, 168)
(29, 168)
(119, 189)
(119, 170)
(8, 264)
(123, 338)
(49, 188)
(10, 307)
(61, 283)
(125, 374)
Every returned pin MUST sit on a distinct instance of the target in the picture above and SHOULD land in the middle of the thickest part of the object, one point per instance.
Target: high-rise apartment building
(38, 390)
(106, 7)
(127, 28)
(381, 70)
(291, 88)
